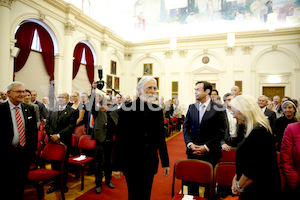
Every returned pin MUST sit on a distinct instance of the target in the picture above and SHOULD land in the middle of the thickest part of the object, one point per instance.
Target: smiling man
(140, 136)
(18, 140)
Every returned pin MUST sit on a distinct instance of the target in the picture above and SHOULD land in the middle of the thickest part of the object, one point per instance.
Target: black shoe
(110, 185)
(51, 189)
(89, 173)
(98, 190)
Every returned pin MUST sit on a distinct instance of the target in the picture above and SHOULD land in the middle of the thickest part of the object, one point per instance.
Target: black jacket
(140, 136)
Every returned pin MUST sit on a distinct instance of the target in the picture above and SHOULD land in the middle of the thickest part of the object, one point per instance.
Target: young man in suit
(18, 140)
(271, 115)
(60, 125)
(204, 126)
(140, 136)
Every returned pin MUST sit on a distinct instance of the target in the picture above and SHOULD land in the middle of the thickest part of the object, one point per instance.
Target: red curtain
(47, 50)
(78, 51)
(77, 58)
(24, 37)
(89, 64)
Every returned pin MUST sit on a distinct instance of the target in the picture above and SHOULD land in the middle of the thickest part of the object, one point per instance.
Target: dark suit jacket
(271, 115)
(210, 132)
(63, 123)
(240, 130)
(7, 132)
(140, 135)
(43, 110)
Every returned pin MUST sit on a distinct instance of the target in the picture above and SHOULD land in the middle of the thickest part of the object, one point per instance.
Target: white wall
(269, 53)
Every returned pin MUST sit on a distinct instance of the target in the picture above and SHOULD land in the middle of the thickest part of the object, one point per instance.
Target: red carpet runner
(162, 187)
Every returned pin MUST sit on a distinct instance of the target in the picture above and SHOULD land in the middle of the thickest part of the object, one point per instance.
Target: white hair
(142, 82)
(13, 84)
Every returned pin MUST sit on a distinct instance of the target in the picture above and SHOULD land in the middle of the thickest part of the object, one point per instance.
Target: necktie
(202, 107)
(20, 127)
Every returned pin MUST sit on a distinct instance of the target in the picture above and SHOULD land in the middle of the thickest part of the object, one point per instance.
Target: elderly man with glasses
(18, 140)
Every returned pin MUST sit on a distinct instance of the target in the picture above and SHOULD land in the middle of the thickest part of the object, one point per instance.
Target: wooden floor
(74, 185)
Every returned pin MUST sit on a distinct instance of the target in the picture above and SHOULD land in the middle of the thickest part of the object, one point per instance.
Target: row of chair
(40, 175)
(214, 180)
(172, 124)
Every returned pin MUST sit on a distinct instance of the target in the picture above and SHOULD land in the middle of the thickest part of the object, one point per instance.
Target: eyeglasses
(62, 97)
(18, 91)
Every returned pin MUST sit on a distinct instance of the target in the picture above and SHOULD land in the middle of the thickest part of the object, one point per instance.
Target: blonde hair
(250, 109)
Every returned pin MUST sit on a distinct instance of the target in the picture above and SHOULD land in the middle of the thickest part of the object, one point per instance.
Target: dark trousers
(139, 185)
(103, 162)
(15, 170)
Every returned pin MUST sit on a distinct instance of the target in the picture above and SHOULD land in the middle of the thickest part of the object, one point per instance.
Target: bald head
(235, 90)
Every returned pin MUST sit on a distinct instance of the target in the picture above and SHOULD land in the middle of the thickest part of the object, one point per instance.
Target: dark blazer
(233, 141)
(63, 123)
(140, 136)
(7, 132)
(43, 110)
(210, 132)
(271, 115)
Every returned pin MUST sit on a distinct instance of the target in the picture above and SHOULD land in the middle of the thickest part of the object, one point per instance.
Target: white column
(65, 71)
(6, 72)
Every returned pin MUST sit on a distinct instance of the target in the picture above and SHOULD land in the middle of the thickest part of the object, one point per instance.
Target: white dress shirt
(16, 138)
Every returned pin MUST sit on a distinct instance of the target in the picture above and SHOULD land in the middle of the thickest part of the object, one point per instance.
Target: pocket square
(29, 117)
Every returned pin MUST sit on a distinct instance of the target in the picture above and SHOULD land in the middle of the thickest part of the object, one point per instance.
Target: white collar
(12, 106)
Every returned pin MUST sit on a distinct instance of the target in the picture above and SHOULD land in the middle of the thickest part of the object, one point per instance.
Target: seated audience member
(27, 99)
(80, 107)
(3, 95)
(60, 125)
(235, 91)
(256, 159)
(289, 111)
(233, 134)
(18, 141)
(290, 160)
(43, 110)
(271, 115)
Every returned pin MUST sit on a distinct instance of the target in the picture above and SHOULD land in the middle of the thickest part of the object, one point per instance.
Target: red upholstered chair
(196, 171)
(223, 176)
(42, 125)
(86, 143)
(38, 177)
(41, 135)
(228, 156)
(74, 151)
